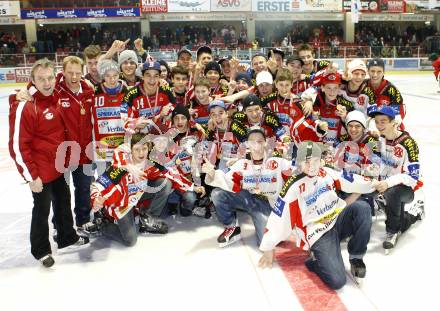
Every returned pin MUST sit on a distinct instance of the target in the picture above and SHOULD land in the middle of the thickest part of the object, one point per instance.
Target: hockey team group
(306, 149)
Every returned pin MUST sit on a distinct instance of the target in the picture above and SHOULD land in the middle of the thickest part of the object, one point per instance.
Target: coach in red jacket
(76, 99)
(36, 130)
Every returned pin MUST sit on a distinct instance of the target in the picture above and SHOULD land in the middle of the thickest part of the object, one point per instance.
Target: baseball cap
(357, 64)
(216, 103)
(264, 77)
(183, 50)
(224, 58)
(376, 62)
(250, 100)
(308, 150)
(433, 57)
(334, 78)
(374, 110)
(245, 77)
(203, 49)
(356, 115)
(150, 65)
(212, 66)
(277, 51)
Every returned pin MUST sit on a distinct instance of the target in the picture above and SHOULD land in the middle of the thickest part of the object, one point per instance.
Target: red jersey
(108, 130)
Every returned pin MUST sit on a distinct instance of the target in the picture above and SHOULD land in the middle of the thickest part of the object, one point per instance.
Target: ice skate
(358, 270)
(47, 261)
(390, 242)
(150, 224)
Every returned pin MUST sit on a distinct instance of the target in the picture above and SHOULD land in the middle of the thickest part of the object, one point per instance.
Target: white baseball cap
(358, 116)
(264, 77)
(357, 64)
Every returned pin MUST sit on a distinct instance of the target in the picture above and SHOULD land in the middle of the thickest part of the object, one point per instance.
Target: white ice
(186, 270)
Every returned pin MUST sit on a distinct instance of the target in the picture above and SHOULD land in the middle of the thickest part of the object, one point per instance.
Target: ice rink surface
(185, 269)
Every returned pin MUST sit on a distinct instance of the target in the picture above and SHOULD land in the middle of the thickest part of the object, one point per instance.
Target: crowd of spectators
(193, 36)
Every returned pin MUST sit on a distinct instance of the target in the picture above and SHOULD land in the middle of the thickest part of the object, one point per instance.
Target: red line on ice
(311, 292)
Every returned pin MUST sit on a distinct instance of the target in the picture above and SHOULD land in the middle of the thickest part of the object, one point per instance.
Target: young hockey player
(252, 184)
(147, 102)
(385, 93)
(309, 205)
(106, 111)
(399, 176)
(128, 63)
(253, 114)
(180, 80)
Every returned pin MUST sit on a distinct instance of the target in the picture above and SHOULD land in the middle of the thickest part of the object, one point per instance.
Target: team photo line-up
(304, 148)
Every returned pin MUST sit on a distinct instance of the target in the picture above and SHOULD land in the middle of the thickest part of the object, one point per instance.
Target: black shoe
(229, 235)
(172, 209)
(47, 261)
(150, 224)
(358, 268)
(92, 228)
(185, 212)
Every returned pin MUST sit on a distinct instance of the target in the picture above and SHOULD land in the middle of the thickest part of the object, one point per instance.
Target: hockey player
(147, 102)
(180, 80)
(251, 185)
(212, 73)
(198, 107)
(287, 107)
(330, 107)
(128, 63)
(385, 93)
(253, 114)
(92, 54)
(309, 205)
(355, 89)
(36, 131)
(399, 175)
(295, 64)
(120, 188)
(311, 66)
(435, 59)
(188, 136)
(358, 149)
(184, 57)
(106, 110)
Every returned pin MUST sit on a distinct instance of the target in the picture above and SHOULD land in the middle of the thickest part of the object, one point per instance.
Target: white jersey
(399, 161)
(263, 180)
(311, 206)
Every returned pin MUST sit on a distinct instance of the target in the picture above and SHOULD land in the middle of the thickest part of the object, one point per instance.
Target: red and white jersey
(362, 98)
(201, 113)
(298, 87)
(137, 103)
(327, 112)
(108, 130)
(387, 94)
(121, 192)
(310, 206)
(291, 117)
(400, 161)
(263, 179)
